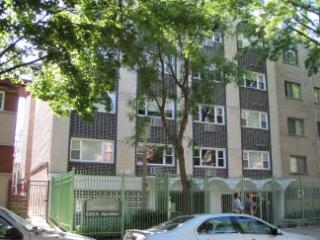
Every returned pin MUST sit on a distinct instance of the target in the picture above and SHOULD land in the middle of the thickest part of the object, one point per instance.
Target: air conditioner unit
(209, 128)
(155, 122)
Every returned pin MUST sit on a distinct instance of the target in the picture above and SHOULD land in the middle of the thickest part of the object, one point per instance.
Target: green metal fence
(104, 206)
(61, 205)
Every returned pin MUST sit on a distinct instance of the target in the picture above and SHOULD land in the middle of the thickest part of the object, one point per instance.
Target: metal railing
(104, 206)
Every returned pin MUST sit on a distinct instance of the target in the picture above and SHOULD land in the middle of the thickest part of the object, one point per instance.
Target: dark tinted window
(172, 223)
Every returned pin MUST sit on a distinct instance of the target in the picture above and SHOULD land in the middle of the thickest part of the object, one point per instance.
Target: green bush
(146, 218)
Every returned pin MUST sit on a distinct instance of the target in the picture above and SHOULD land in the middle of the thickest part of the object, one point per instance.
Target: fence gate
(29, 198)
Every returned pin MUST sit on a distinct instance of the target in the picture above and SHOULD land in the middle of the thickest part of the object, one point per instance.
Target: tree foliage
(72, 56)
(283, 25)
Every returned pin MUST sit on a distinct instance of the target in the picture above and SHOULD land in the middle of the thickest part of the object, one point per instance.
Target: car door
(8, 232)
(219, 228)
(255, 229)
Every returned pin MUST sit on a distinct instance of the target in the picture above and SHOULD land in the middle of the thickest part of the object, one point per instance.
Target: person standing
(236, 203)
(248, 206)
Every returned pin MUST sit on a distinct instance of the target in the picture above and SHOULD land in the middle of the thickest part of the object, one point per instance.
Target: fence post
(274, 211)
(72, 199)
(191, 209)
(122, 203)
(242, 190)
(301, 195)
(206, 193)
(167, 192)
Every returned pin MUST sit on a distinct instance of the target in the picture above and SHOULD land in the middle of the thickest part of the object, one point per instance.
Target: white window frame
(102, 150)
(216, 115)
(101, 108)
(263, 154)
(245, 115)
(2, 97)
(170, 106)
(256, 77)
(217, 150)
(144, 147)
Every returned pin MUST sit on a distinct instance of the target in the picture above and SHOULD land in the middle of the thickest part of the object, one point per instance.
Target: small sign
(102, 207)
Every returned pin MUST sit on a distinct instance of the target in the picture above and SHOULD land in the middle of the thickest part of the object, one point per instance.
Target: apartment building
(9, 101)
(267, 126)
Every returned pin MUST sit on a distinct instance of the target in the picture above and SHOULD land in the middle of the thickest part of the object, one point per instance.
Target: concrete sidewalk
(313, 231)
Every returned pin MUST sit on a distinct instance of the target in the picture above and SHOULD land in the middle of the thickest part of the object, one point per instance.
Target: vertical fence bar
(206, 193)
(274, 202)
(122, 199)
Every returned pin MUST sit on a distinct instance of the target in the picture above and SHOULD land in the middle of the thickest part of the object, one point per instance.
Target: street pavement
(313, 231)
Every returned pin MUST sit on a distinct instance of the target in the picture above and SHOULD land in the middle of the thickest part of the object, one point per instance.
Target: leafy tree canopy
(283, 25)
(72, 56)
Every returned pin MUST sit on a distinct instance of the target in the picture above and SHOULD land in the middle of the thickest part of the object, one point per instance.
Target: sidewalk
(313, 231)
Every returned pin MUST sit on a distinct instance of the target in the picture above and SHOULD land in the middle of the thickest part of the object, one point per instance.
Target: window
(217, 37)
(2, 94)
(318, 129)
(209, 157)
(316, 95)
(156, 154)
(242, 41)
(210, 114)
(290, 57)
(256, 160)
(169, 65)
(102, 108)
(295, 127)
(254, 119)
(150, 108)
(91, 150)
(254, 80)
(253, 226)
(217, 225)
(293, 90)
(298, 165)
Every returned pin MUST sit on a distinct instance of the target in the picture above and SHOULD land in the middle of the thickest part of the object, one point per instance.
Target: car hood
(45, 234)
(140, 234)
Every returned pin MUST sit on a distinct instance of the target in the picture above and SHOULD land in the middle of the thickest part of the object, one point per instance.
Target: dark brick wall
(6, 159)
(218, 138)
(11, 101)
(155, 170)
(211, 172)
(103, 126)
(254, 99)
(93, 168)
(255, 139)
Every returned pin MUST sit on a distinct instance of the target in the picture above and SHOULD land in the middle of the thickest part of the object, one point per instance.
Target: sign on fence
(102, 207)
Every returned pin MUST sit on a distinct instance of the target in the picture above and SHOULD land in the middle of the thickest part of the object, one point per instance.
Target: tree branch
(21, 65)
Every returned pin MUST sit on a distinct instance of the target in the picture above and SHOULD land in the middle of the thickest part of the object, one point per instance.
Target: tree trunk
(184, 180)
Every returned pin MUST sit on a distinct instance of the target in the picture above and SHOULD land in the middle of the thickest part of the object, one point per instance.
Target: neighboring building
(266, 127)
(9, 100)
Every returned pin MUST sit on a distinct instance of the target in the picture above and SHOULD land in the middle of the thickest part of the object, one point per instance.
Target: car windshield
(172, 224)
(14, 217)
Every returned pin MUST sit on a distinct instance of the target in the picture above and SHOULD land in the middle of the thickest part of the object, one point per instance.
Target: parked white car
(13, 227)
(212, 227)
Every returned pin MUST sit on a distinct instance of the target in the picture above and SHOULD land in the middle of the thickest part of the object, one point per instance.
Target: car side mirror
(12, 233)
(274, 231)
